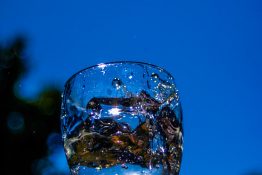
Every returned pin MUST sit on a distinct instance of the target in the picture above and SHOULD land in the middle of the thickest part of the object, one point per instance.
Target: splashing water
(136, 132)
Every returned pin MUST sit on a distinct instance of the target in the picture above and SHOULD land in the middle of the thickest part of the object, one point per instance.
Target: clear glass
(122, 118)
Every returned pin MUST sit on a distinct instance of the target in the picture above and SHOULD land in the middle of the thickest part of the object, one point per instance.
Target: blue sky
(213, 49)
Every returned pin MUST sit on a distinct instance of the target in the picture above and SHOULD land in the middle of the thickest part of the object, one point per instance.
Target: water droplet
(117, 83)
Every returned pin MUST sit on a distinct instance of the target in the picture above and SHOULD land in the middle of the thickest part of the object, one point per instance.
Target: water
(122, 119)
(123, 133)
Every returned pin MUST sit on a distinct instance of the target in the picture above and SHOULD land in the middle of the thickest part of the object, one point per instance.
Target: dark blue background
(213, 48)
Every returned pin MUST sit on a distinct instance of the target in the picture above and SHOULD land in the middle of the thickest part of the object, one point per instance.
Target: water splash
(133, 128)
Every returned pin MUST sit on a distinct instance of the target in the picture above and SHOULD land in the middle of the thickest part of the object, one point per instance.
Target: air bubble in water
(117, 83)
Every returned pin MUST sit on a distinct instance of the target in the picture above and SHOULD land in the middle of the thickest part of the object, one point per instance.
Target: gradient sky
(213, 49)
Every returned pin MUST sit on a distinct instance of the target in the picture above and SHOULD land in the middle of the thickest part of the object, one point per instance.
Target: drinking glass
(122, 118)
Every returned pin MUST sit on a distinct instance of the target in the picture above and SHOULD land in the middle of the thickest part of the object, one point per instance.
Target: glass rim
(117, 62)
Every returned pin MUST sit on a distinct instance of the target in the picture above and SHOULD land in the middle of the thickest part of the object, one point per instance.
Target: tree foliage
(24, 125)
